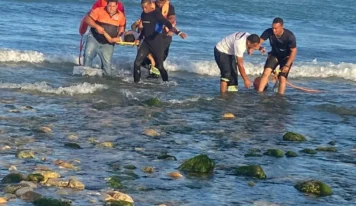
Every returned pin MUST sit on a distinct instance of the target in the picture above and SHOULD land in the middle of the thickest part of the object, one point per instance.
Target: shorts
(273, 61)
(227, 66)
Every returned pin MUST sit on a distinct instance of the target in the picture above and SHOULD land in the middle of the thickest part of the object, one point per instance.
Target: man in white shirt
(229, 52)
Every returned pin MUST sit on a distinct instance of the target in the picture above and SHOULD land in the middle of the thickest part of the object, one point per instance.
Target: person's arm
(152, 60)
(166, 23)
(111, 39)
(90, 20)
(264, 36)
(293, 52)
(239, 52)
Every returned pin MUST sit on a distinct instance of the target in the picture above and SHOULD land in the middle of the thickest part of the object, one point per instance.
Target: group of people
(153, 32)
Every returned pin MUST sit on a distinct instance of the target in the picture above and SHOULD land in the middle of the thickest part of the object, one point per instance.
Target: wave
(83, 88)
(313, 69)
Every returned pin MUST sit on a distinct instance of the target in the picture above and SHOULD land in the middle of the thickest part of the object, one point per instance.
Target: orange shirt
(101, 15)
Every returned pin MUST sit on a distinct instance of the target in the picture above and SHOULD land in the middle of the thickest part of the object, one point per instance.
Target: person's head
(111, 7)
(147, 6)
(160, 3)
(129, 38)
(277, 26)
(252, 43)
(256, 84)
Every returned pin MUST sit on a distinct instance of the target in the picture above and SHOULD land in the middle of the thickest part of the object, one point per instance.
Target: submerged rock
(148, 169)
(72, 145)
(63, 164)
(118, 196)
(251, 184)
(295, 137)
(22, 191)
(51, 202)
(308, 151)
(105, 145)
(115, 182)
(118, 203)
(11, 189)
(314, 187)
(251, 171)
(291, 154)
(165, 156)
(153, 102)
(30, 196)
(175, 175)
(76, 184)
(13, 178)
(199, 164)
(25, 154)
(56, 182)
(72, 137)
(48, 175)
(274, 152)
(151, 133)
(130, 167)
(326, 149)
(35, 177)
(46, 130)
(228, 116)
(332, 143)
(253, 153)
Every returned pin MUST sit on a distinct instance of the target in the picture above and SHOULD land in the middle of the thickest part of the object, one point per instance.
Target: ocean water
(39, 47)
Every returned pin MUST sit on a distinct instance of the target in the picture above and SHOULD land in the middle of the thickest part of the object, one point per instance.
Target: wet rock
(62, 192)
(65, 165)
(253, 153)
(92, 140)
(48, 175)
(72, 145)
(26, 108)
(130, 167)
(228, 116)
(30, 196)
(25, 154)
(115, 182)
(46, 130)
(251, 171)
(274, 153)
(76, 184)
(35, 177)
(308, 151)
(22, 191)
(153, 102)
(118, 203)
(51, 202)
(9, 196)
(175, 175)
(118, 196)
(11, 189)
(332, 143)
(10, 106)
(12, 168)
(105, 145)
(314, 187)
(6, 147)
(29, 184)
(3, 200)
(72, 137)
(251, 184)
(13, 178)
(291, 154)
(326, 149)
(165, 156)
(151, 133)
(295, 137)
(13, 111)
(57, 182)
(199, 164)
(148, 169)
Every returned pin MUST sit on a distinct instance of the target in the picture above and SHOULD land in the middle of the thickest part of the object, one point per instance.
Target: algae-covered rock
(13, 178)
(51, 202)
(251, 184)
(251, 171)
(326, 149)
(130, 167)
(30, 196)
(35, 177)
(118, 203)
(72, 145)
(48, 174)
(253, 153)
(291, 154)
(25, 154)
(76, 184)
(153, 102)
(115, 182)
(165, 156)
(274, 152)
(199, 164)
(308, 151)
(314, 187)
(11, 189)
(295, 137)
(148, 169)
(105, 145)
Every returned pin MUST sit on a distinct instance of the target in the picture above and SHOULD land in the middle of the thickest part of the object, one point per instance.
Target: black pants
(156, 48)
(227, 66)
(273, 61)
(167, 40)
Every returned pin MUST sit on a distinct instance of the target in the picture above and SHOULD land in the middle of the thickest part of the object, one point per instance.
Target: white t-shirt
(234, 44)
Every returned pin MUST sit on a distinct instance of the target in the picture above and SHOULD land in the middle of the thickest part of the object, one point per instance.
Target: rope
(80, 49)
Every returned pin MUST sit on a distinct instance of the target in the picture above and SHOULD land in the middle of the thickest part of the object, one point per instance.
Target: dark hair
(109, 1)
(146, 1)
(278, 20)
(129, 38)
(253, 39)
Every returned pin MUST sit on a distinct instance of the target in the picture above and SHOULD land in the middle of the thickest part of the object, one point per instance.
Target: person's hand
(262, 50)
(100, 29)
(247, 83)
(183, 35)
(170, 33)
(137, 42)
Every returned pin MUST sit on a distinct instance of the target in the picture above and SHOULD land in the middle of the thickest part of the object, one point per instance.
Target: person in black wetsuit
(153, 21)
(284, 50)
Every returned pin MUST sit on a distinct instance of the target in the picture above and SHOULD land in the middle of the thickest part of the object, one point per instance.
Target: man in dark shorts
(284, 50)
